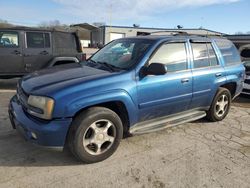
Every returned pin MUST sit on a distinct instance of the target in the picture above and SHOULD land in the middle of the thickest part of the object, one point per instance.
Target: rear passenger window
(204, 55)
(228, 51)
(173, 55)
(200, 54)
(37, 40)
(212, 56)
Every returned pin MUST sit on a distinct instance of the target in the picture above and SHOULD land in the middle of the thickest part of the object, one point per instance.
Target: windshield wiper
(105, 64)
(111, 67)
(92, 61)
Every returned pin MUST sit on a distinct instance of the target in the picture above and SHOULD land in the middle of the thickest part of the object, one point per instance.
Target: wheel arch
(231, 86)
(118, 107)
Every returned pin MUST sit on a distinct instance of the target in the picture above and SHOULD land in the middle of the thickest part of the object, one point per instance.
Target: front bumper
(51, 134)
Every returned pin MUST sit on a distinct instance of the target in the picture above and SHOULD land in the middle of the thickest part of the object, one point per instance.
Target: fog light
(33, 135)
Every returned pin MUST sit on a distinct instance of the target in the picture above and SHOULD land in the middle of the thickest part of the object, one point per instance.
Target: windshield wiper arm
(111, 67)
(92, 61)
(105, 64)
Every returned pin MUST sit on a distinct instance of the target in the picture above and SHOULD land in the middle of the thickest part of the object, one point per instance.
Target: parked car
(246, 87)
(24, 50)
(166, 81)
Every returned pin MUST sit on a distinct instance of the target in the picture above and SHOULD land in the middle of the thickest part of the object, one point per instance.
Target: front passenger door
(11, 57)
(162, 95)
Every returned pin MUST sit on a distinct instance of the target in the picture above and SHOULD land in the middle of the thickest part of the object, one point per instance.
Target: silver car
(246, 86)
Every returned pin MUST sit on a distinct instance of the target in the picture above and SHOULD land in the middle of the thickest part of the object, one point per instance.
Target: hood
(67, 74)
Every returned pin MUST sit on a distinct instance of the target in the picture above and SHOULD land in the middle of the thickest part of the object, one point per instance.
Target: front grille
(246, 91)
(22, 96)
(247, 81)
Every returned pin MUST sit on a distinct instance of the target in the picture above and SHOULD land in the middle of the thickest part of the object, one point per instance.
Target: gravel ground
(199, 154)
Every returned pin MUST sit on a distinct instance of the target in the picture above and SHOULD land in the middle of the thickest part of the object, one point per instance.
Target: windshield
(123, 53)
(247, 63)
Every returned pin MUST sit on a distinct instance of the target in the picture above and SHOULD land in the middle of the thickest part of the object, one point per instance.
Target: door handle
(184, 80)
(44, 52)
(218, 74)
(16, 52)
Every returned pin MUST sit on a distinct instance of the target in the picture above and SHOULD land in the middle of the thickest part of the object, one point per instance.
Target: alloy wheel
(99, 137)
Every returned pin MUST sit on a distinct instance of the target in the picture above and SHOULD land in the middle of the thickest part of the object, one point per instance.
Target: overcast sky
(227, 16)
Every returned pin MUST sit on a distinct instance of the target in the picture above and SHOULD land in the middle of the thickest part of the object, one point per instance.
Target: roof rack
(173, 32)
(184, 33)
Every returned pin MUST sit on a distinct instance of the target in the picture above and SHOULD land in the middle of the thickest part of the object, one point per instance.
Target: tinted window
(200, 54)
(8, 39)
(229, 51)
(37, 40)
(212, 56)
(173, 55)
(245, 53)
(47, 40)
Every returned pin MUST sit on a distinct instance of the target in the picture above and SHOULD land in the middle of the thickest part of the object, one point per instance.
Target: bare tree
(53, 23)
(4, 23)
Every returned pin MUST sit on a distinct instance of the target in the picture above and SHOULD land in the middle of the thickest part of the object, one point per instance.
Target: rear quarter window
(229, 51)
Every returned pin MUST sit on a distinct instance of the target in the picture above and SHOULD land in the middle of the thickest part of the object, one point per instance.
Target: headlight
(41, 107)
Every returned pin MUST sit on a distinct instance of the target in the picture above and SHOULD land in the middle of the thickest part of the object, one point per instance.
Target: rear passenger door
(11, 57)
(207, 72)
(37, 51)
(162, 95)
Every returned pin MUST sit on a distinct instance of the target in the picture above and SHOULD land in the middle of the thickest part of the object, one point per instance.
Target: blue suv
(149, 84)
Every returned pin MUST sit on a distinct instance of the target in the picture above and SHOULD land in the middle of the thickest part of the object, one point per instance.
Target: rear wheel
(220, 106)
(95, 134)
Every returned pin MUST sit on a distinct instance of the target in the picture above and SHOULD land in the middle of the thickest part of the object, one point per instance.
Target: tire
(95, 134)
(220, 105)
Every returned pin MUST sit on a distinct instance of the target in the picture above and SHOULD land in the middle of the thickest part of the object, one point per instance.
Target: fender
(56, 59)
(109, 96)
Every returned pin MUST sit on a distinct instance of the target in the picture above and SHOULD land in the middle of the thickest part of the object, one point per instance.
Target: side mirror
(100, 46)
(155, 69)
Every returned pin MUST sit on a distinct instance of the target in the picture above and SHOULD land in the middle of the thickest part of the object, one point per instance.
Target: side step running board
(166, 122)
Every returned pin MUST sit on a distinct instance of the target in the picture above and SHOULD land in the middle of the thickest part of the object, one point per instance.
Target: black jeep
(24, 50)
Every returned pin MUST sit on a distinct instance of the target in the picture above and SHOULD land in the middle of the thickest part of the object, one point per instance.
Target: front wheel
(220, 105)
(95, 134)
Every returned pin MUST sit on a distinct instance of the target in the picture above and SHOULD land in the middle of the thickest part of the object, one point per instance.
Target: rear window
(65, 43)
(228, 51)
(37, 40)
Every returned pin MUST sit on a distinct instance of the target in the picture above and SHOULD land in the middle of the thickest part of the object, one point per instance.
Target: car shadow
(242, 101)
(8, 84)
(15, 151)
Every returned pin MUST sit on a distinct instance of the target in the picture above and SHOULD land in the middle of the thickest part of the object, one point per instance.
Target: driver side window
(8, 39)
(173, 55)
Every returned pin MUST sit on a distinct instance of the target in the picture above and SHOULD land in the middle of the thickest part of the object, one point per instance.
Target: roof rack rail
(172, 32)
(177, 32)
